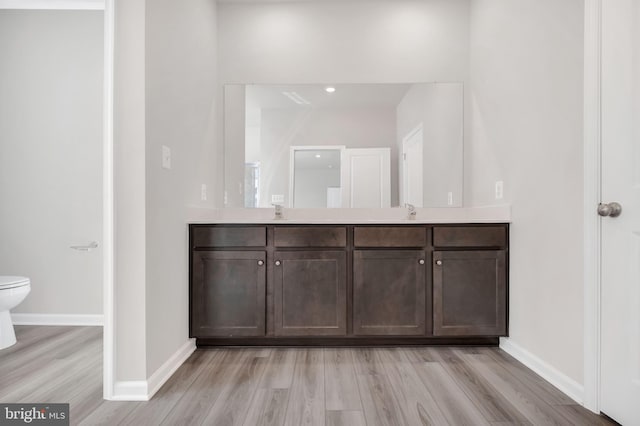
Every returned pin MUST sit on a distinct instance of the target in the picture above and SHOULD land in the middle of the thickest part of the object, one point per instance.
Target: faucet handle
(412, 211)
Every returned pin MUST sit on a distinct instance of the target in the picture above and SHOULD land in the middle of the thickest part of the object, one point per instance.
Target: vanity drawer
(310, 236)
(390, 236)
(470, 236)
(230, 236)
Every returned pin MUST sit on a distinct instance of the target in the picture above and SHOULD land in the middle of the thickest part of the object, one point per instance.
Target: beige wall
(526, 130)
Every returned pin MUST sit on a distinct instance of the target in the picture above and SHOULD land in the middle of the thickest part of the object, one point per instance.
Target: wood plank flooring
(291, 386)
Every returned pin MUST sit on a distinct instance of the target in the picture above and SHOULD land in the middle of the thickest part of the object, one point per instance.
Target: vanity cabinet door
(389, 292)
(228, 293)
(470, 293)
(310, 293)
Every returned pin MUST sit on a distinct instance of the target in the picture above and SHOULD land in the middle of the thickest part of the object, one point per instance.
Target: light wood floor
(292, 386)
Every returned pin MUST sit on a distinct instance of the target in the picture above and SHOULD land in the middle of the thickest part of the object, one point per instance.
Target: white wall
(180, 113)
(51, 157)
(348, 41)
(129, 191)
(343, 42)
(233, 128)
(526, 129)
(439, 109)
(164, 94)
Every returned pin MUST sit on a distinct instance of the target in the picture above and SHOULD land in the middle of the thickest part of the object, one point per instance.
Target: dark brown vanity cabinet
(470, 281)
(389, 280)
(282, 284)
(228, 281)
(310, 293)
(310, 280)
(389, 292)
(228, 293)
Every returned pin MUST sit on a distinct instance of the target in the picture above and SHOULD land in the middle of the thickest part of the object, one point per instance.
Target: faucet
(411, 211)
(279, 211)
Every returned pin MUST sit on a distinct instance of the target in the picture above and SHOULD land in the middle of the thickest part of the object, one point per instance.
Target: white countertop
(397, 215)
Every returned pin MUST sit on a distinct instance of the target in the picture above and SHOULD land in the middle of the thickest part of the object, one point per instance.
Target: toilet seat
(7, 282)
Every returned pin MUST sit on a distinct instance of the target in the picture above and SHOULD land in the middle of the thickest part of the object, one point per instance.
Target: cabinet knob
(260, 263)
(438, 262)
(278, 263)
(421, 261)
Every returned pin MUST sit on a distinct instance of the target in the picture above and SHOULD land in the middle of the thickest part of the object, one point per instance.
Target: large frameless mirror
(349, 145)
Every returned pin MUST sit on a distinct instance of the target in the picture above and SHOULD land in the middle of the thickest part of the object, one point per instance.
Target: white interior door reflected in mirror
(315, 176)
(366, 178)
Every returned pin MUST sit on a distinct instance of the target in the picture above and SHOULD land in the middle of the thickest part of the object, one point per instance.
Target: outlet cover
(499, 190)
(166, 157)
(203, 192)
(450, 198)
(277, 198)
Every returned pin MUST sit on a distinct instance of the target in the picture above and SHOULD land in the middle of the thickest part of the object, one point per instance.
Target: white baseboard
(167, 369)
(565, 384)
(130, 391)
(57, 319)
(143, 390)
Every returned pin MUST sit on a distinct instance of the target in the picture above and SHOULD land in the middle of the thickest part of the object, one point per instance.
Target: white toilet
(13, 290)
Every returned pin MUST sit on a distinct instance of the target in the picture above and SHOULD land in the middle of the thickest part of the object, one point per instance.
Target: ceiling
(318, 159)
(315, 95)
(284, 1)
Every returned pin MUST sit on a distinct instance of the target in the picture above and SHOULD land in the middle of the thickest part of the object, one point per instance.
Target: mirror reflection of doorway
(412, 167)
(252, 184)
(315, 176)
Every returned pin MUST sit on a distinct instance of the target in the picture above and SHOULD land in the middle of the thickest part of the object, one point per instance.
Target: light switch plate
(166, 157)
(450, 198)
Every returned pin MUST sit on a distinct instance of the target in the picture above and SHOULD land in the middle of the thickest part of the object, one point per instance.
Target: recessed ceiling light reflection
(330, 89)
(296, 98)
